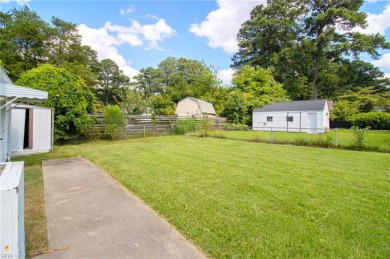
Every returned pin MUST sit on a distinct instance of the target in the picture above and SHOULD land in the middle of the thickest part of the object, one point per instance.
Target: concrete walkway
(90, 215)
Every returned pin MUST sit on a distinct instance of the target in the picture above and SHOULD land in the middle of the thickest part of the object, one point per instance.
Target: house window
(290, 119)
(270, 119)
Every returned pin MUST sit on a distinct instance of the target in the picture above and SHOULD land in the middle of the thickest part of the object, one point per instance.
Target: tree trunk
(316, 75)
(316, 71)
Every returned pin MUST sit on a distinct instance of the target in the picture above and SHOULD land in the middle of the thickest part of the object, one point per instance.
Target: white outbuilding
(191, 107)
(10, 95)
(31, 130)
(311, 116)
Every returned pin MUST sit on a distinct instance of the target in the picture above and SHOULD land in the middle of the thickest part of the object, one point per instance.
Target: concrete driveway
(90, 215)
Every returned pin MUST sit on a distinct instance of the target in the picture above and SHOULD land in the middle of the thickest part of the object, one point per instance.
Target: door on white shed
(312, 123)
(18, 121)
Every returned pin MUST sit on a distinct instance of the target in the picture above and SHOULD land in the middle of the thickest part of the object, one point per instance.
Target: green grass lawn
(376, 140)
(238, 199)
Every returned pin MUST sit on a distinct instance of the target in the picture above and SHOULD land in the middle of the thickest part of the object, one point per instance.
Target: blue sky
(138, 34)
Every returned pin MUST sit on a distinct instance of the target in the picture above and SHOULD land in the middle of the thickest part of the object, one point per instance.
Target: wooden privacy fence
(146, 125)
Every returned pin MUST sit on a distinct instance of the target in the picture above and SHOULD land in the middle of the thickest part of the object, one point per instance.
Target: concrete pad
(95, 217)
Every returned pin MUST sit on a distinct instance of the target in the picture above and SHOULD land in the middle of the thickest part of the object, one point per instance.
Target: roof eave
(23, 93)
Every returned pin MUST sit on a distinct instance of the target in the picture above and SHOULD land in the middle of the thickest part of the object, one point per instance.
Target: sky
(140, 34)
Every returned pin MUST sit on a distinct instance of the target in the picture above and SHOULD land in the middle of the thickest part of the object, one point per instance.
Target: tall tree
(173, 80)
(321, 26)
(23, 40)
(305, 40)
(111, 82)
(148, 82)
(68, 95)
(258, 87)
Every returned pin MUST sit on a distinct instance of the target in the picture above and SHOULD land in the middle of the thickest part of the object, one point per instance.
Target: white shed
(31, 130)
(191, 107)
(311, 116)
(9, 94)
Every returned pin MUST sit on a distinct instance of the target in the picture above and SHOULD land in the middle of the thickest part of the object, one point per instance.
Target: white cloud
(107, 39)
(383, 62)
(106, 47)
(226, 76)
(20, 2)
(148, 35)
(129, 9)
(222, 25)
(377, 23)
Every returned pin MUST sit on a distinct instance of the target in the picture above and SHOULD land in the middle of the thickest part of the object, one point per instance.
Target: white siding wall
(187, 108)
(42, 129)
(3, 135)
(326, 117)
(300, 121)
(279, 121)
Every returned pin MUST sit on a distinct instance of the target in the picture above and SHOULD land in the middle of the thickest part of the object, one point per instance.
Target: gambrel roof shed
(307, 105)
(193, 107)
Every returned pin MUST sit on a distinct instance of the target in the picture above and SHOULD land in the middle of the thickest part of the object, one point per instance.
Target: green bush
(359, 136)
(68, 95)
(206, 125)
(237, 127)
(374, 120)
(114, 121)
(184, 126)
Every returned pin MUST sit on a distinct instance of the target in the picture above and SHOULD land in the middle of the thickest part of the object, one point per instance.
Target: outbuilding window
(290, 119)
(270, 119)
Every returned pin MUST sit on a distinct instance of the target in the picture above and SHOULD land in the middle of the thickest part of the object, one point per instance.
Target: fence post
(144, 132)
(336, 138)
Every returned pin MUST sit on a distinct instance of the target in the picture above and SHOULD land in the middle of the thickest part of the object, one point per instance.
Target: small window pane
(270, 119)
(290, 118)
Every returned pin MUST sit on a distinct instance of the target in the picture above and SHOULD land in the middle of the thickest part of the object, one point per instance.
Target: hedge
(374, 120)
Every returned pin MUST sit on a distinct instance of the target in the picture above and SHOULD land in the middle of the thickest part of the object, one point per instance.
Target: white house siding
(279, 121)
(3, 131)
(40, 131)
(300, 121)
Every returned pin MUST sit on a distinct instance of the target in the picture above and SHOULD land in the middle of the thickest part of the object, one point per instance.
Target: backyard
(375, 140)
(237, 199)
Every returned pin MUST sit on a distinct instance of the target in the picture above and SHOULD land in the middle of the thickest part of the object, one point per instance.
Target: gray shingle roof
(309, 105)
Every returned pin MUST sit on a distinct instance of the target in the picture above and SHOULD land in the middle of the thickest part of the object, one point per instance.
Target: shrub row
(373, 120)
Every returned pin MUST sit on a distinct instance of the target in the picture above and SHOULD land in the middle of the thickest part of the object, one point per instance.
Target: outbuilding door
(311, 123)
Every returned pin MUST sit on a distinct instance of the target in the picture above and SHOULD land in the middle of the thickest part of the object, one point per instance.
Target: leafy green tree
(68, 95)
(301, 39)
(114, 121)
(66, 50)
(362, 100)
(163, 105)
(218, 98)
(133, 102)
(258, 87)
(175, 79)
(357, 74)
(148, 82)
(23, 41)
(235, 109)
(111, 82)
